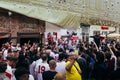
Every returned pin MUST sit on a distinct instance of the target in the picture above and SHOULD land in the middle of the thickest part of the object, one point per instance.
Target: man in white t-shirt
(18, 47)
(54, 55)
(10, 61)
(61, 64)
(5, 53)
(41, 67)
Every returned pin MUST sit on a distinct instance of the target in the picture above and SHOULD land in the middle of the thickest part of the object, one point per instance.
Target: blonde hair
(59, 76)
(52, 63)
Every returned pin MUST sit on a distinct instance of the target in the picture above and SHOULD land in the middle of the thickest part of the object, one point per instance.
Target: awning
(5, 36)
(68, 14)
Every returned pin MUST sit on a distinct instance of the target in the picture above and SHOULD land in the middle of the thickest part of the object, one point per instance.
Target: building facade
(19, 28)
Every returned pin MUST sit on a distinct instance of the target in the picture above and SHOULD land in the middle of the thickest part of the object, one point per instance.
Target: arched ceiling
(68, 13)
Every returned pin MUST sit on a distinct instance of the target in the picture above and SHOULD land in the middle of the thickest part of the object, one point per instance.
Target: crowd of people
(61, 60)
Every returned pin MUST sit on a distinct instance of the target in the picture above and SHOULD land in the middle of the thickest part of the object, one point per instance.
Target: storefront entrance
(3, 41)
(32, 40)
(32, 37)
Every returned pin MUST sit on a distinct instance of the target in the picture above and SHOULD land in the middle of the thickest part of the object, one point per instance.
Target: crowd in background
(61, 60)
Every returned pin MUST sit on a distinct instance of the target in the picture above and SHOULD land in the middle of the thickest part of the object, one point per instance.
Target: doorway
(32, 37)
(3, 41)
(32, 40)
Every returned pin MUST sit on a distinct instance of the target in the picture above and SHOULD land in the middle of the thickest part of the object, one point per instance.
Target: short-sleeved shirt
(73, 74)
(60, 67)
(49, 75)
(40, 68)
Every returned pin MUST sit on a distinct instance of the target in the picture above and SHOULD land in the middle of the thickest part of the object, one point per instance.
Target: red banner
(104, 27)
